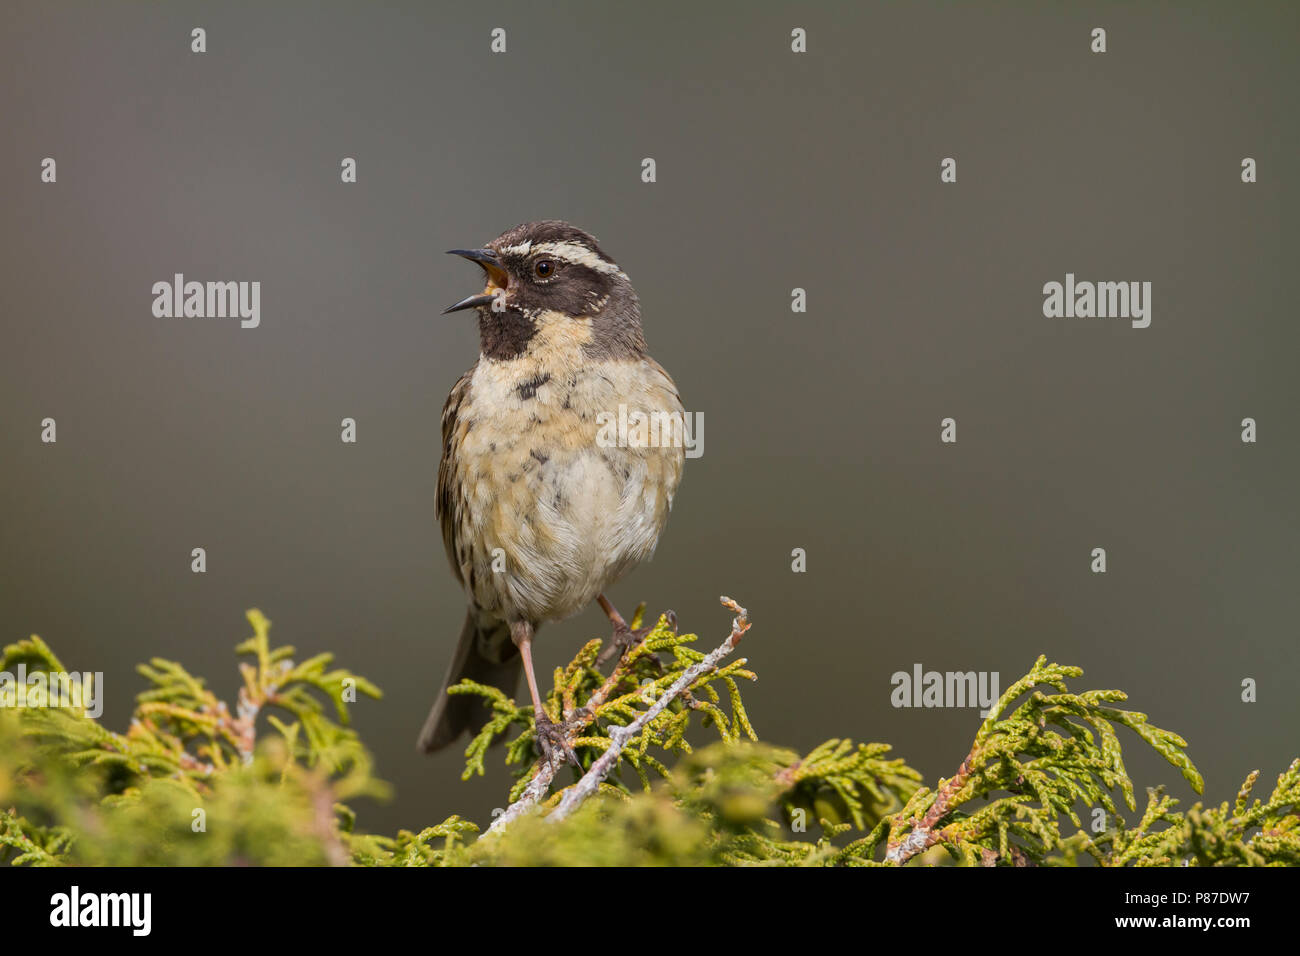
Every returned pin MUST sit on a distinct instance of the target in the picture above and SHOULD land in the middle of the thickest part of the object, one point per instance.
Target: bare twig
(924, 835)
(547, 769)
(533, 793)
(619, 736)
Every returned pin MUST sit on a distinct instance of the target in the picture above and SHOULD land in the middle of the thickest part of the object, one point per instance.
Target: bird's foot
(624, 637)
(553, 738)
(623, 640)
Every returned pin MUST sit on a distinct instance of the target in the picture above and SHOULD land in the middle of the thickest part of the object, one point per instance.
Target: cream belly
(551, 518)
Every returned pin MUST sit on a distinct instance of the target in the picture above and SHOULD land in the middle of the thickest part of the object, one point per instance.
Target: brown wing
(449, 504)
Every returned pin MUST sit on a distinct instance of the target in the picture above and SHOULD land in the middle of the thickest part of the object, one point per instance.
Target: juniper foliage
(194, 782)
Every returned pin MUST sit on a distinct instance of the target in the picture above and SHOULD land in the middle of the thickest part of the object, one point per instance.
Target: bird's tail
(485, 654)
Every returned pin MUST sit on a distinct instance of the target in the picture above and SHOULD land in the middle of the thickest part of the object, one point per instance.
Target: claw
(551, 737)
(623, 640)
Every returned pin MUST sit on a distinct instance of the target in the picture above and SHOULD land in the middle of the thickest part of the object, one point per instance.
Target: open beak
(497, 279)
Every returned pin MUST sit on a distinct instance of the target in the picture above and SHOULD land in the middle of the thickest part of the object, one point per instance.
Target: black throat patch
(504, 335)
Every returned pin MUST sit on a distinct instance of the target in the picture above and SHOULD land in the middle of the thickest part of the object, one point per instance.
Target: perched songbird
(544, 503)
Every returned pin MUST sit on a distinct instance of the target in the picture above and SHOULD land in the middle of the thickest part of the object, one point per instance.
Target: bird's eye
(544, 268)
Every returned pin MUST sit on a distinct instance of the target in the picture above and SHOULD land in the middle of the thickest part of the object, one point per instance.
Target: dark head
(551, 287)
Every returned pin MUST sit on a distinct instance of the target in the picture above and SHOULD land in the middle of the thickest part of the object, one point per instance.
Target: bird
(542, 501)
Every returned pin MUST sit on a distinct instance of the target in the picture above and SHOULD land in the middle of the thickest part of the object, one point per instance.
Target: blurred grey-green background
(775, 170)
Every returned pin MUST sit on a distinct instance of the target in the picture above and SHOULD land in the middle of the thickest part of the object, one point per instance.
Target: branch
(619, 736)
(546, 770)
(923, 835)
(532, 794)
